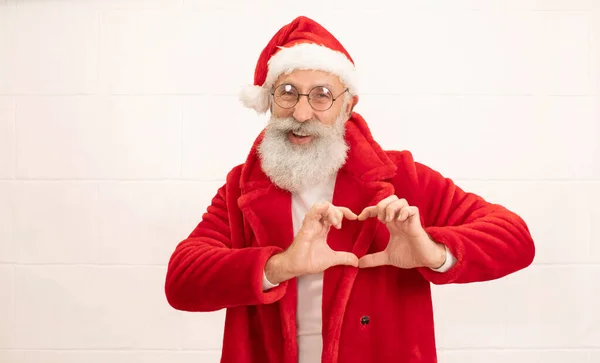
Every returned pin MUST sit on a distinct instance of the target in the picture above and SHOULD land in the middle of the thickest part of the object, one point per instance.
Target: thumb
(344, 258)
(373, 260)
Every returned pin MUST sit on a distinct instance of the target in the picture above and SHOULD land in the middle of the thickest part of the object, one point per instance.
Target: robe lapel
(268, 212)
(267, 215)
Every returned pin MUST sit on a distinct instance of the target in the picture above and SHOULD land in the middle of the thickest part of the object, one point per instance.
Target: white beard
(296, 167)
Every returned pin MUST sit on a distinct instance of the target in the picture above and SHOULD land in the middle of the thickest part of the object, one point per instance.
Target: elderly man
(322, 246)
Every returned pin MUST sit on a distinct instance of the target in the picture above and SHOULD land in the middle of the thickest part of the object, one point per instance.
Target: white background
(119, 120)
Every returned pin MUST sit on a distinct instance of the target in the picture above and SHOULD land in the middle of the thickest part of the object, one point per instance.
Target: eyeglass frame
(333, 99)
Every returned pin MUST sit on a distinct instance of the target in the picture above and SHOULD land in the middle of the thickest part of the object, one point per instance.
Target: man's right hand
(309, 253)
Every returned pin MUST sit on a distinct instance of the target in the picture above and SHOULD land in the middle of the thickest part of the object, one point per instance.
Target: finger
(368, 212)
(316, 216)
(318, 211)
(339, 216)
(407, 212)
(341, 213)
(391, 211)
(345, 258)
(373, 260)
(347, 213)
(332, 217)
(377, 210)
(382, 207)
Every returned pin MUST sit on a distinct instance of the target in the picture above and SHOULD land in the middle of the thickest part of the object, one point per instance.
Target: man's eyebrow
(318, 84)
(324, 84)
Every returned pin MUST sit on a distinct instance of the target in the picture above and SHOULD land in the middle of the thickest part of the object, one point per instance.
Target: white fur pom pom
(255, 97)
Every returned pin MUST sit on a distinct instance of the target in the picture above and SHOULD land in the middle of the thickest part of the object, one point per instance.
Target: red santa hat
(301, 44)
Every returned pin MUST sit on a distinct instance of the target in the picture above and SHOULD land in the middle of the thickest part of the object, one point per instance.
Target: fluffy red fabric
(381, 314)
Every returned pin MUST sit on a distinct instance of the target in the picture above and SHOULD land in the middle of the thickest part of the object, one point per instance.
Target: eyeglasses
(319, 98)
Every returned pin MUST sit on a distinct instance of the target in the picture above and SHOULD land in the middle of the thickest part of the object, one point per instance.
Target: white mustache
(310, 127)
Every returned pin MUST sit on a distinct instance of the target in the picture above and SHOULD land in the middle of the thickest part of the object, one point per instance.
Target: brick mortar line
(175, 350)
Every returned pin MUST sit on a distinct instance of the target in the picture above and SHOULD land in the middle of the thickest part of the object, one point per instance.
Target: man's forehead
(310, 79)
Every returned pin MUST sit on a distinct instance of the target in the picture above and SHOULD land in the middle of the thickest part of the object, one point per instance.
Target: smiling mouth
(299, 137)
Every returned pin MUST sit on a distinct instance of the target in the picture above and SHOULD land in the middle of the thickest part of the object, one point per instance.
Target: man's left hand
(409, 245)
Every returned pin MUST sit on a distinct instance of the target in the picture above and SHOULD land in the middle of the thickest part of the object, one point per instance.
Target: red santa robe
(374, 315)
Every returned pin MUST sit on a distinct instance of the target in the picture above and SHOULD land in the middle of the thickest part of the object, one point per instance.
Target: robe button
(365, 320)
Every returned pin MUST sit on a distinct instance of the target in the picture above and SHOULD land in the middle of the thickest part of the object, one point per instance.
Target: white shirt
(310, 287)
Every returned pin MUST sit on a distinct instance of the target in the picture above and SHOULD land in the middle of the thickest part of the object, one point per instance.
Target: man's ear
(352, 104)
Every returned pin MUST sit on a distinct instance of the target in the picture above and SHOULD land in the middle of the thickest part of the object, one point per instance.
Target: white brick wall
(117, 122)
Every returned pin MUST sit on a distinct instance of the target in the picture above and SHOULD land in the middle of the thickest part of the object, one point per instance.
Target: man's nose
(303, 111)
